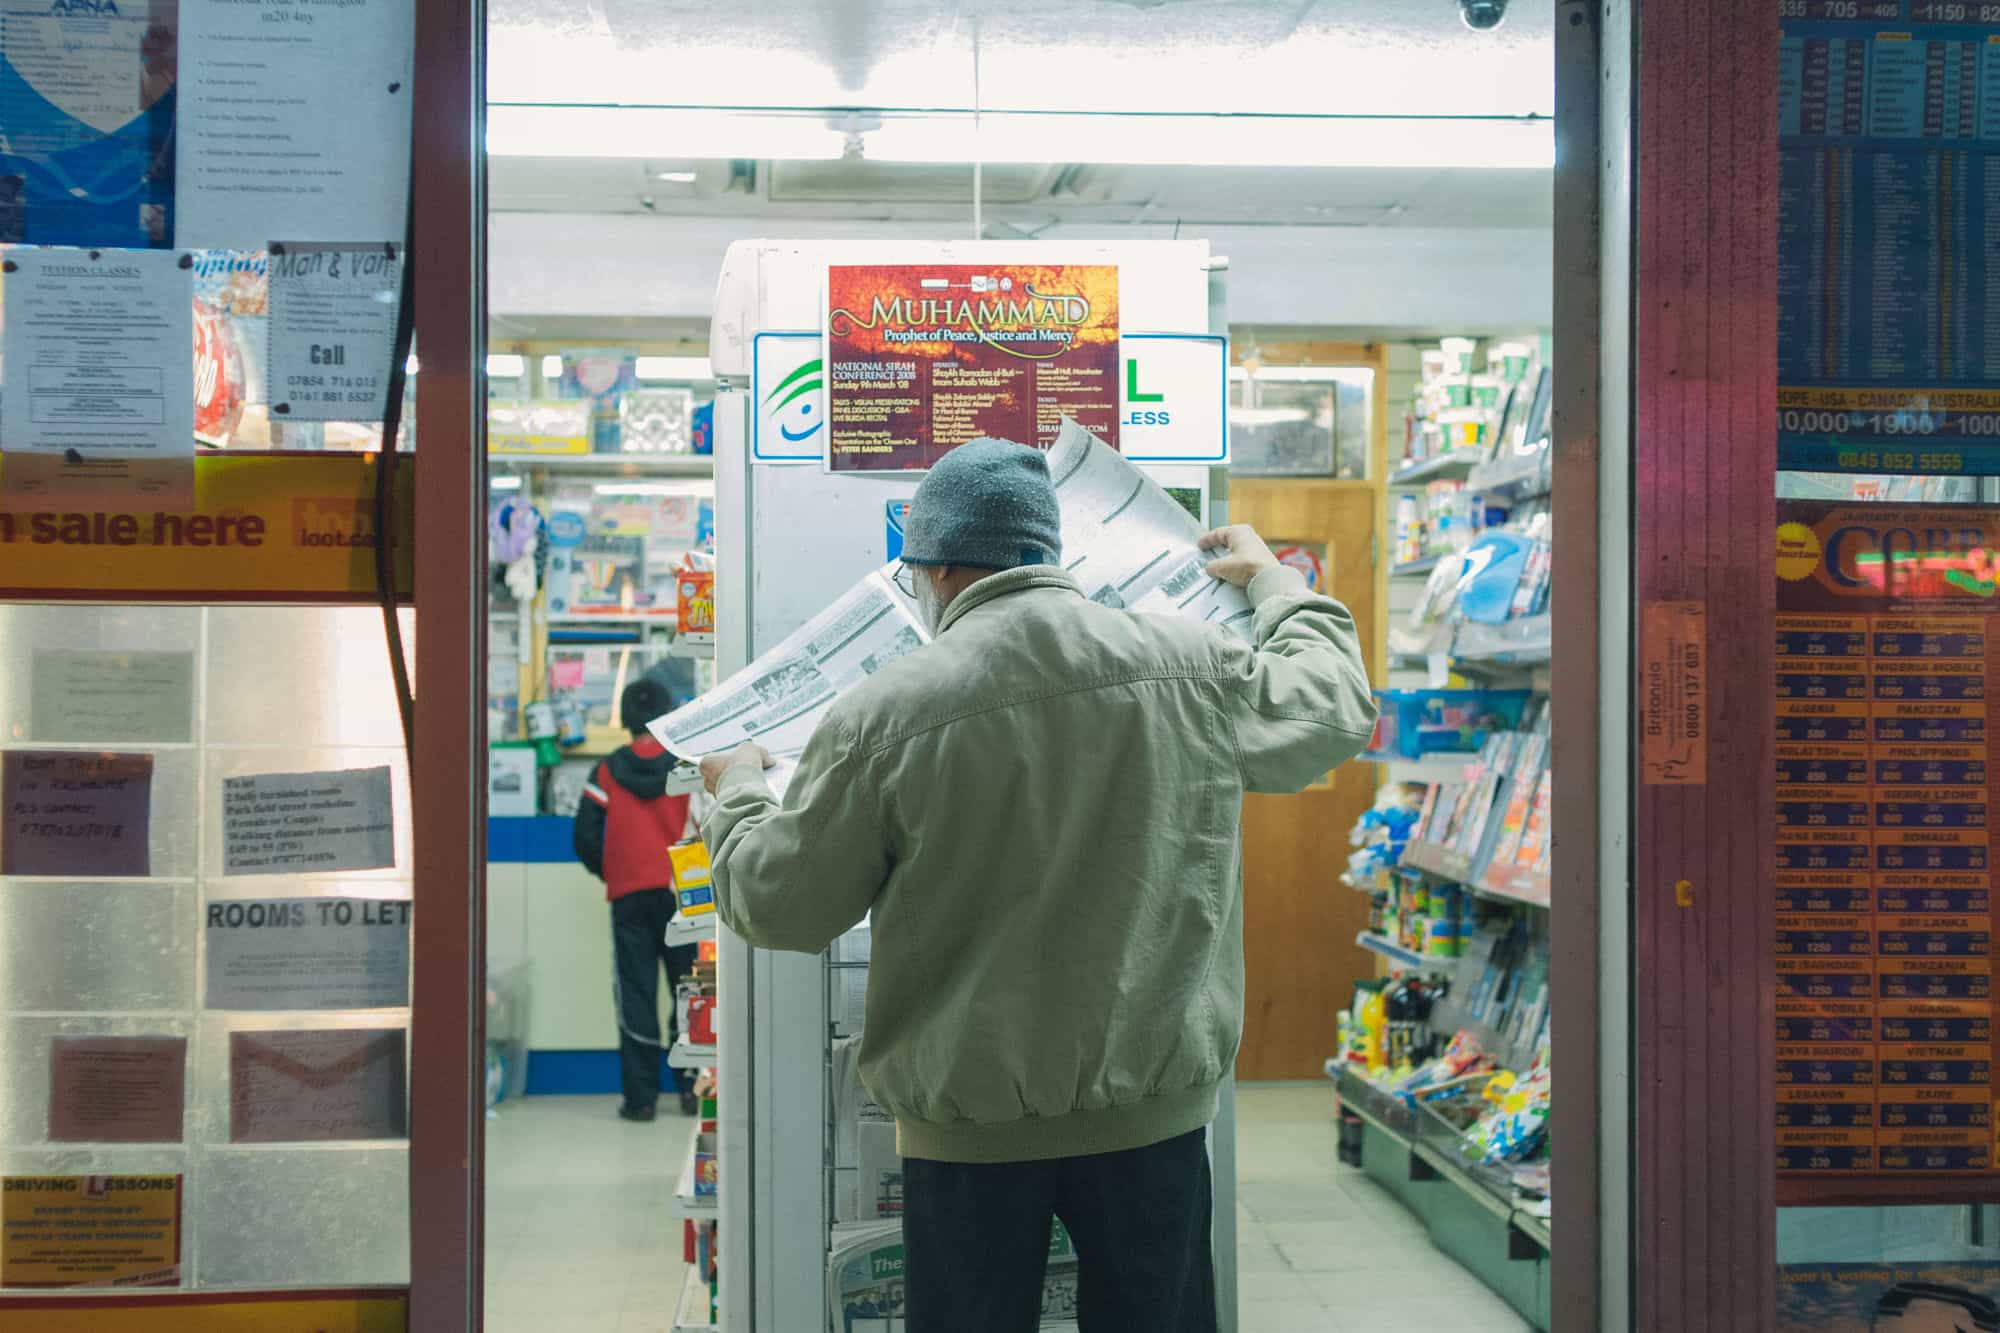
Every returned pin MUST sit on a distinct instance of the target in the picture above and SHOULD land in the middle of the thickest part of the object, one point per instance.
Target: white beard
(929, 605)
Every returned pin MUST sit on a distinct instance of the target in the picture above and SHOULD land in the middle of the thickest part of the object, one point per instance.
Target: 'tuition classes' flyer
(927, 357)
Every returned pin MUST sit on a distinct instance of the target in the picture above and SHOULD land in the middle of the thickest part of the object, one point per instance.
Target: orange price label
(1673, 647)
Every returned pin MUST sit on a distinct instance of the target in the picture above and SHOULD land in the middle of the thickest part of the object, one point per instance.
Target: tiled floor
(581, 1238)
(580, 1231)
(1320, 1248)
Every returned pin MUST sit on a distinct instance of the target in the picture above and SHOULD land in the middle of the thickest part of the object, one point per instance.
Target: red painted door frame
(1703, 430)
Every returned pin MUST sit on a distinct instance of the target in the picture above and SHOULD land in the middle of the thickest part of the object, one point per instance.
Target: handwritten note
(129, 698)
(309, 953)
(86, 816)
(312, 1086)
(286, 823)
(117, 1089)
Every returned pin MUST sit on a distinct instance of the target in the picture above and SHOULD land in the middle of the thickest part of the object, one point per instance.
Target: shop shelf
(691, 930)
(608, 465)
(1457, 463)
(1423, 566)
(687, 1055)
(1524, 642)
(691, 1315)
(1439, 861)
(690, 1203)
(1389, 1115)
(1521, 477)
(1395, 952)
(1518, 886)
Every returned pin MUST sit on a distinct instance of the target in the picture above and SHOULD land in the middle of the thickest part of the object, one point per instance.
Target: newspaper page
(1129, 543)
(778, 700)
(1125, 540)
(866, 1288)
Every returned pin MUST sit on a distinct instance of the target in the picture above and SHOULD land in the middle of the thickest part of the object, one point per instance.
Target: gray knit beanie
(987, 504)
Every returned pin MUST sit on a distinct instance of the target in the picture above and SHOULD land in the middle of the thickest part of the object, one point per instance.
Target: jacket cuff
(1277, 581)
(745, 778)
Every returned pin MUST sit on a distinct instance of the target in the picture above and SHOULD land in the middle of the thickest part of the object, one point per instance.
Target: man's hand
(1244, 554)
(747, 755)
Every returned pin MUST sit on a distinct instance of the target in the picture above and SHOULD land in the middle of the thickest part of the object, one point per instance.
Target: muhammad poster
(927, 357)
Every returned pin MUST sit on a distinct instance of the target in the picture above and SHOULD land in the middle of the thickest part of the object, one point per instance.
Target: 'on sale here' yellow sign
(220, 1312)
(262, 528)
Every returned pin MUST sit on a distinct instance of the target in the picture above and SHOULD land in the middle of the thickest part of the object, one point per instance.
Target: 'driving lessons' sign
(271, 527)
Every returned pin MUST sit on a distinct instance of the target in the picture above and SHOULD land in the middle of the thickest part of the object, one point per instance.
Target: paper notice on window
(294, 121)
(779, 699)
(87, 156)
(117, 1089)
(290, 823)
(133, 698)
(318, 1085)
(332, 329)
(308, 953)
(1124, 538)
(98, 353)
(90, 1231)
(80, 815)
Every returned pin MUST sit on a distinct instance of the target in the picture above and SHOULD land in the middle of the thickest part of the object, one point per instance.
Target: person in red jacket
(624, 825)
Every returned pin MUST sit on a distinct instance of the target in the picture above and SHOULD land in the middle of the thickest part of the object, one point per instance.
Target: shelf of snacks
(1396, 953)
(694, 1193)
(635, 466)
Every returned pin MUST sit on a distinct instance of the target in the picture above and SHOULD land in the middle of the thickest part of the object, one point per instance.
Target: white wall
(1381, 279)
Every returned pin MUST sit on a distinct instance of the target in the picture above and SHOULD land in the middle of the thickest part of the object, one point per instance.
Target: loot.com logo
(332, 522)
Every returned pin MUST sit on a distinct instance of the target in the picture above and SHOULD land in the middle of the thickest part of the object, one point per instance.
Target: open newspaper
(1128, 542)
(865, 1284)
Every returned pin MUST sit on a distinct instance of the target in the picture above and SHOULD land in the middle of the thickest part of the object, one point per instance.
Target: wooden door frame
(1372, 356)
(448, 768)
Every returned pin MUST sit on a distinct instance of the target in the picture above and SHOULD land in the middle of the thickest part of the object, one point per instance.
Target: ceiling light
(504, 483)
(1421, 143)
(552, 367)
(675, 177)
(656, 132)
(505, 366)
(410, 364)
(1310, 374)
(673, 368)
(1426, 143)
(648, 488)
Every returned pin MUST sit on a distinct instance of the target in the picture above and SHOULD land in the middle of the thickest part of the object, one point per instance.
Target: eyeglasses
(905, 579)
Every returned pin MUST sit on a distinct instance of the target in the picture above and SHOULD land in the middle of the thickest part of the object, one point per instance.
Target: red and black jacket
(626, 821)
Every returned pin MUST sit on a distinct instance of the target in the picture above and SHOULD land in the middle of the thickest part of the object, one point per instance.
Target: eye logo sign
(794, 403)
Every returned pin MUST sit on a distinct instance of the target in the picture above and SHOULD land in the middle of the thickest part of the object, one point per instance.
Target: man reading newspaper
(1041, 809)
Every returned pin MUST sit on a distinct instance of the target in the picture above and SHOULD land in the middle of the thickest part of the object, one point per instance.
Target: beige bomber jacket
(1041, 810)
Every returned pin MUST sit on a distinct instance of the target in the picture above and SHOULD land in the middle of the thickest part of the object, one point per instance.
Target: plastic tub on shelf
(1416, 723)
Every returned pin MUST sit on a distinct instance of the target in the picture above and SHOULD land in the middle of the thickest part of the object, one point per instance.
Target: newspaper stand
(792, 537)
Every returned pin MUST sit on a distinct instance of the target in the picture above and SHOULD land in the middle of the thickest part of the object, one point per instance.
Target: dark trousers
(639, 948)
(976, 1240)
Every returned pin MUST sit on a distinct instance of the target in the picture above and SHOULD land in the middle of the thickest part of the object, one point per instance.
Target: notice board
(1889, 236)
(1888, 651)
(925, 357)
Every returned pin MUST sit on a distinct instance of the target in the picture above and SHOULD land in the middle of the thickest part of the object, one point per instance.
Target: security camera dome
(1482, 15)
